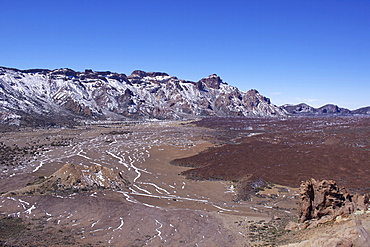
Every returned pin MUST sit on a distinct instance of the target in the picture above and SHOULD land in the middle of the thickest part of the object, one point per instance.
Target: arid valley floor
(213, 182)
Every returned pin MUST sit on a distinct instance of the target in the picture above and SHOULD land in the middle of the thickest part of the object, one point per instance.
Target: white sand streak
(120, 226)
(130, 165)
(38, 167)
(170, 197)
(81, 155)
(156, 186)
(144, 190)
(120, 160)
(93, 224)
(128, 198)
(223, 209)
(157, 229)
(29, 211)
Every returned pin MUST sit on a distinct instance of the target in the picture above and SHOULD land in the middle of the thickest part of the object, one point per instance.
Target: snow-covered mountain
(46, 96)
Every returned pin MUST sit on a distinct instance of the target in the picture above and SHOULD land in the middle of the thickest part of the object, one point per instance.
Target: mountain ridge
(305, 109)
(36, 97)
(63, 94)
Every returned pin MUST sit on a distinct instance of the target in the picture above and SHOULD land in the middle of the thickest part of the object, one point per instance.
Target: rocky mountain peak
(141, 74)
(253, 92)
(212, 81)
(137, 74)
(256, 98)
(64, 71)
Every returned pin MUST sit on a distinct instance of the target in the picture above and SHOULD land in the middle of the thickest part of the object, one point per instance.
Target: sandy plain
(160, 208)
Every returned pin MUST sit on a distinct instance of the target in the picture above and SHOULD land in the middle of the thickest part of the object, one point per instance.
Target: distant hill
(329, 109)
(363, 110)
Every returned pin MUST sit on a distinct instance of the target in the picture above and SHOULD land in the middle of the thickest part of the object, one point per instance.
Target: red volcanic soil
(287, 151)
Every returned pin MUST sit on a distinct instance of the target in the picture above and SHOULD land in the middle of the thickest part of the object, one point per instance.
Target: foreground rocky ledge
(329, 215)
(324, 201)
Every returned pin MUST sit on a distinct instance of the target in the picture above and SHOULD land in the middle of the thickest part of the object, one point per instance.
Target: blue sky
(292, 51)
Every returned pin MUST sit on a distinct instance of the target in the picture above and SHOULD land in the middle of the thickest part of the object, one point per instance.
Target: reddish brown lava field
(287, 151)
(161, 208)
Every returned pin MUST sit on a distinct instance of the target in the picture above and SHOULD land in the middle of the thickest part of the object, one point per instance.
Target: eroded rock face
(77, 178)
(212, 81)
(318, 199)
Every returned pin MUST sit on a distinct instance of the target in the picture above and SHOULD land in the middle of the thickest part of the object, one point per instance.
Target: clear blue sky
(293, 51)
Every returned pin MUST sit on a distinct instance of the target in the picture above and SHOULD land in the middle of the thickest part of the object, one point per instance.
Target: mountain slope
(304, 109)
(63, 94)
(363, 110)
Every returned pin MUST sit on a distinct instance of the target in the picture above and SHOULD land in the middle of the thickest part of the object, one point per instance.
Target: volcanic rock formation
(322, 201)
(72, 178)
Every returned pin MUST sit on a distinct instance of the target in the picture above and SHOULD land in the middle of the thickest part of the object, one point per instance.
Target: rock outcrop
(348, 232)
(323, 201)
(73, 178)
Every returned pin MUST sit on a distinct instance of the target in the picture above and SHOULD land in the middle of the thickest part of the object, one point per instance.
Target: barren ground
(288, 151)
(163, 208)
